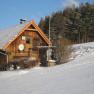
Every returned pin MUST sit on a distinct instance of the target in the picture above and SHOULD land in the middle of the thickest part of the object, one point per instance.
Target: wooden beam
(41, 33)
(31, 29)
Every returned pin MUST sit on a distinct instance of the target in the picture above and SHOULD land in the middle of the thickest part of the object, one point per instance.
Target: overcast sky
(13, 10)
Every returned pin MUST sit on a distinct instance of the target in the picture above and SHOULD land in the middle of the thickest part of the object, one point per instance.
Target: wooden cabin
(22, 41)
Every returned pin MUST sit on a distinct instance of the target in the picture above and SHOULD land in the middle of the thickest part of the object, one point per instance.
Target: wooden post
(7, 58)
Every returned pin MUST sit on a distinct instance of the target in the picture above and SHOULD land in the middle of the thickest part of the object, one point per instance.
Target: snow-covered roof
(8, 34)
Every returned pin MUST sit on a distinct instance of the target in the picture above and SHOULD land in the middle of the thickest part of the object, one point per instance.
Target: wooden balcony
(22, 54)
(26, 54)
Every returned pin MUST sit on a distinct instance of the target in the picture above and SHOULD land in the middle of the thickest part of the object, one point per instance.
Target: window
(28, 40)
(23, 38)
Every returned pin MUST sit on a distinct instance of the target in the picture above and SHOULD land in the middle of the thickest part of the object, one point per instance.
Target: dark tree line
(71, 25)
(75, 24)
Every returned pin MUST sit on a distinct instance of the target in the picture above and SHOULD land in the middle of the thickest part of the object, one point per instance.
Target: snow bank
(75, 77)
(8, 74)
(81, 50)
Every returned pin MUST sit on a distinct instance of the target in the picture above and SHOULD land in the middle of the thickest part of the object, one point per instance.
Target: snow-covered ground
(75, 77)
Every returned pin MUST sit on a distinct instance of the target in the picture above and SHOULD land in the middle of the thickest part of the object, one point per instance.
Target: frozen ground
(75, 77)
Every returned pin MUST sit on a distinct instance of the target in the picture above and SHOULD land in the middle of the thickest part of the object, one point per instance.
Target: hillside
(75, 77)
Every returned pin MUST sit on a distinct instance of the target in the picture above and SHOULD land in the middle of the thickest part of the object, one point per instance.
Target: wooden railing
(26, 53)
(22, 54)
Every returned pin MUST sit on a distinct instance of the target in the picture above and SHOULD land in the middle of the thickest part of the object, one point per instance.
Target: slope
(75, 77)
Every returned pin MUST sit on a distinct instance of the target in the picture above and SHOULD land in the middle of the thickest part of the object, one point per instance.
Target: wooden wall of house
(3, 59)
(30, 49)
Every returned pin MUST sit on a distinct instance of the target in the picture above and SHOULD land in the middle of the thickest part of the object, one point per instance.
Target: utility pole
(49, 30)
(49, 40)
(49, 50)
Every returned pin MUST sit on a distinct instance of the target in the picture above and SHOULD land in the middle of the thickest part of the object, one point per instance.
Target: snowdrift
(75, 77)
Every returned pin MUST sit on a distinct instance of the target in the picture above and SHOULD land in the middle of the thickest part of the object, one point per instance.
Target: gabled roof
(8, 35)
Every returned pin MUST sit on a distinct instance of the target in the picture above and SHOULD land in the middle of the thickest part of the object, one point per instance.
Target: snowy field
(75, 77)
